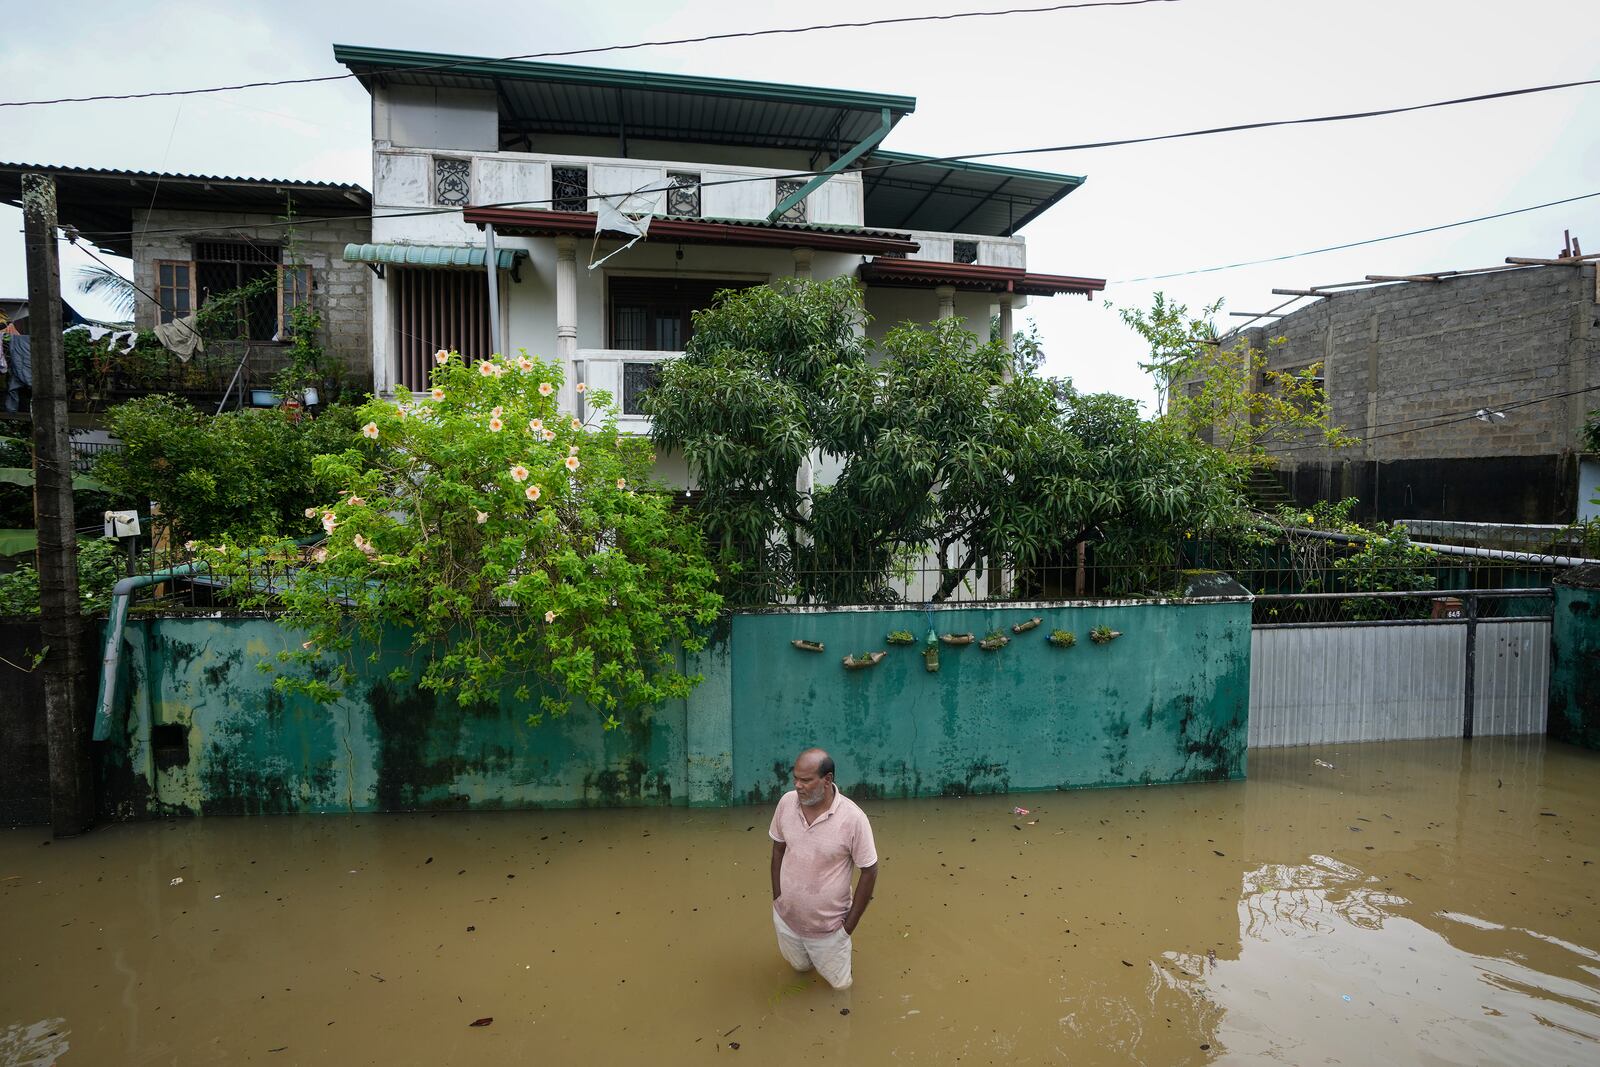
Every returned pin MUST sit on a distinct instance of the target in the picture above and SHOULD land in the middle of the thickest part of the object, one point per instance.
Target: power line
(707, 38)
(1352, 244)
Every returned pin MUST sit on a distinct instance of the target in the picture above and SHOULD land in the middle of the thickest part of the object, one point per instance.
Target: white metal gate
(1391, 681)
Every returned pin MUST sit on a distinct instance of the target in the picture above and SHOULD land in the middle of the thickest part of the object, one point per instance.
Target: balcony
(623, 373)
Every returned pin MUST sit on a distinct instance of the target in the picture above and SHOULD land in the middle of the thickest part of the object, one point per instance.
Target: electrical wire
(1352, 244)
(568, 53)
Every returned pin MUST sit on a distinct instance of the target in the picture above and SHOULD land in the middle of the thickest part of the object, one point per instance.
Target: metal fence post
(1472, 650)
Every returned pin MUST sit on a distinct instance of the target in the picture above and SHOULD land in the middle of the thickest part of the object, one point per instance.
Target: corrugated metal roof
(534, 222)
(446, 256)
(559, 98)
(101, 203)
(923, 193)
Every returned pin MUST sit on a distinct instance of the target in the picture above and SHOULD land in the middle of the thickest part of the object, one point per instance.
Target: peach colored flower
(486, 369)
(535, 425)
(495, 425)
(320, 555)
(370, 430)
(533, 492)
(311, 513)
(622, 483)
(572, 450)
(357, 501)
(329, 521)
(436, 393)
(576, 425)
(549, 616)
(402, 411)
(545, 388)
(519, 473)
(441, 357)
(580, 387)
(549, 435)
(363, 544)
(483, 517)
(524, 364)
(497, 411)
(572, 463)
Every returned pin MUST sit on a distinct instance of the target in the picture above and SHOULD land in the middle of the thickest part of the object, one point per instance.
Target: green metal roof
(557, 98)
(439, 256)
(905, 191)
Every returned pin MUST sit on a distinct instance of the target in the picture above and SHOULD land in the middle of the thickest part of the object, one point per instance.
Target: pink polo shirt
(814, 882)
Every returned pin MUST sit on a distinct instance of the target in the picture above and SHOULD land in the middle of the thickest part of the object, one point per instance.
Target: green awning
(460, 257)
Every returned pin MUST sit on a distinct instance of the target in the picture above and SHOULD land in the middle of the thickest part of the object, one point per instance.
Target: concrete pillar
(947, 301)
(566, 300)
(802, 264)
(1006, 300)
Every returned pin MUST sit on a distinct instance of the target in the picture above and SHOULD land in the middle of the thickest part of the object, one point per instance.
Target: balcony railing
(626, 374)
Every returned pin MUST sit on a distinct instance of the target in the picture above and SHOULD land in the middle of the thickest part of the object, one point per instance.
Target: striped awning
(439, 257)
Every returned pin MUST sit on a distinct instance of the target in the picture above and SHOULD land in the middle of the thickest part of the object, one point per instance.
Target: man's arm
(863, 896)
(778, 849)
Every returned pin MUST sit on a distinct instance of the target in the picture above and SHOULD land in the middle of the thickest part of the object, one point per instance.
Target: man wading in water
(817, 834)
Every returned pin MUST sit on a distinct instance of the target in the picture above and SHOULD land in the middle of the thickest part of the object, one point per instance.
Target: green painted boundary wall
(199, 728)
(1575, 659)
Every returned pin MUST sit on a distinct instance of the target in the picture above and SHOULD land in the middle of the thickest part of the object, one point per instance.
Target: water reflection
(1441, 888)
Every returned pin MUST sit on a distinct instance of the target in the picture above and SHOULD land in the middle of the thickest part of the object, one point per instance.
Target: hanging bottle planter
(957, 640)
(1063, 638)
(901, 637)
(807, 646)
(1104, 635)
(994, 642)
(930, 651)
(1024, 627)
(863, 661)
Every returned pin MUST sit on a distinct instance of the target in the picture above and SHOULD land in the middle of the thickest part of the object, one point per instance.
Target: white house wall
(419, 117)
(891, 307)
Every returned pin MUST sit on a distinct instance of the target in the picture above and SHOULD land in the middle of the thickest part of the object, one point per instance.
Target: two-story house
(744, 182)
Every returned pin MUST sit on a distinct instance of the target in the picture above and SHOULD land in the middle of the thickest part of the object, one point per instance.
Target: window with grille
(966, 252)
(222, 267)
(787, 188)
(436, 309)
(174, 291)
(569, 188)
(637, 380)
(452, 181)
(657, 314)
(683, 195)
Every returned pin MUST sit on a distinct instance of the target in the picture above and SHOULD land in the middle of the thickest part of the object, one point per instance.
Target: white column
(1006, 300)
(566, 300)
(802, 263)
(947, 301)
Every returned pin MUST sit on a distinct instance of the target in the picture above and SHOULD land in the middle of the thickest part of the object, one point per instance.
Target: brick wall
(340, 289)
(1402, 356)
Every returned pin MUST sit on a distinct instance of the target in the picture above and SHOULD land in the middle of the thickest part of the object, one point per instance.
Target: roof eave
(536, 223)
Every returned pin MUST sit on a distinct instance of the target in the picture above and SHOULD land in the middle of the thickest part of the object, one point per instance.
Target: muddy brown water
(1413, 903)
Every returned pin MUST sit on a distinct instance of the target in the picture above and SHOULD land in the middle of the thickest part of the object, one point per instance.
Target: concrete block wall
(341, 289)
(1405, 355)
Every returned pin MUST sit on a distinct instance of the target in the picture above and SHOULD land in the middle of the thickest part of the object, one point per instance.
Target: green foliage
(1591, 434)
(1229, 396)
(1387, 563)
(1323, 515)
(100, 566)
(307, 364)
(1063, 638)
(941, 452)
(241, 474)
(513, 545)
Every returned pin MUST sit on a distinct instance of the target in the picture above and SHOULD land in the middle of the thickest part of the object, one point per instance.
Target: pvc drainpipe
(1454, 550)
(111, 656)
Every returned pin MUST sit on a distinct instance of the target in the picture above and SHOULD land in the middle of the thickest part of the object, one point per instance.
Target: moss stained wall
(199, 728)
(1575, 659)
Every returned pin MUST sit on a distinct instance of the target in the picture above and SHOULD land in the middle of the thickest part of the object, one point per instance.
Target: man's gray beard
(818, 799)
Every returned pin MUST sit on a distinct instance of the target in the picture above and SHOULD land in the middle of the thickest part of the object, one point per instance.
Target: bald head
(813, 776)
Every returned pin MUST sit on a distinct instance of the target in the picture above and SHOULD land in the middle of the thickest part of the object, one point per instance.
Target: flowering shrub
(508, 539)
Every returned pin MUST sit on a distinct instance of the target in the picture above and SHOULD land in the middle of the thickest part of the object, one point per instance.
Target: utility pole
(66, 726)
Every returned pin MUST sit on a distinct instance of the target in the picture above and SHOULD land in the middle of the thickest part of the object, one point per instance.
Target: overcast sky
(981, 85)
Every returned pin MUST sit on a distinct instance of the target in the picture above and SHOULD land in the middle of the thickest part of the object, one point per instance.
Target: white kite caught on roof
(625, 213)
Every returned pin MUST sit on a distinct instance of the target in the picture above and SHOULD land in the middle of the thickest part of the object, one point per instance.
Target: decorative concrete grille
(452, 181)
(637, 380)
(569, 188)
(966, 251)
(786, 189)
(683, 195)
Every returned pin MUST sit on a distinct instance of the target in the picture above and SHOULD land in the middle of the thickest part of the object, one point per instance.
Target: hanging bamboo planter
(957, 640)
(1024, 627)
(1104, 635)
(862, 662)
(994, 642)
(807, 646)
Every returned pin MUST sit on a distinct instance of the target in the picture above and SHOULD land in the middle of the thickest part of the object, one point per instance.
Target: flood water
(1413, 903)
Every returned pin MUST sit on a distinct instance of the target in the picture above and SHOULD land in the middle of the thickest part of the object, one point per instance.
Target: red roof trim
(924, 273)
(533, 223)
